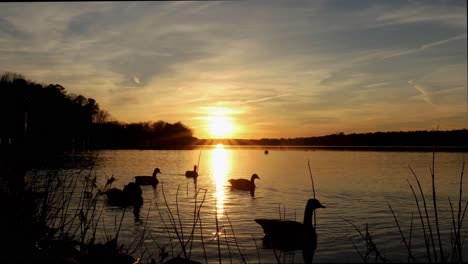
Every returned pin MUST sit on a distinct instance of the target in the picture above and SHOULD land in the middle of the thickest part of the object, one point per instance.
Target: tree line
(452, 138)
(46, 117)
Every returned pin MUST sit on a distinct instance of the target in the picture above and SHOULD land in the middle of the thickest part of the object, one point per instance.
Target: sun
(220, 126)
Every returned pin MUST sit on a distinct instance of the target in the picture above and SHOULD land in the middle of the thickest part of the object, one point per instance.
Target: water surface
(355, 185)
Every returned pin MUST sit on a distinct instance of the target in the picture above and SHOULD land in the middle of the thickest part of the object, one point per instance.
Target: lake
(353, 185)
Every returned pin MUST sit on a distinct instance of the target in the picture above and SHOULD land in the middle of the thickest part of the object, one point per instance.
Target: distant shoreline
(356, 148)
(312, 148)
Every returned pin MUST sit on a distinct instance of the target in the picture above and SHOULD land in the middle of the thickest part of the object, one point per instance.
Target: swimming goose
(148, 180)
(244, 184)
(130, 195)
(291, 235)
(192, 174)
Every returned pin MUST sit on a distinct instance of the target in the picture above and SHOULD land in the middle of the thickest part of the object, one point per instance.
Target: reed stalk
(434, 201)
(180, 221)
(235, 239)
(174, 225)
(256, 247)
(202, 241)
(371, 247)
(427, 215)
(410, 255)
(313, 190)
(426, 239)
(217, 229)
(196, 218)
(410, 235)
(165, 227)
(227, 246)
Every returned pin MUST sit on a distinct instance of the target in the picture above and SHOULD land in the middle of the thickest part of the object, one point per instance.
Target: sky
(251, 69)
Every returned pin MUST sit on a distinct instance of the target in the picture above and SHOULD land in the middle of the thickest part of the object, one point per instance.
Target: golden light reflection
(220, 164)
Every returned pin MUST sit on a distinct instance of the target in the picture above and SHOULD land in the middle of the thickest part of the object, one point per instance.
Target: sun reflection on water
(220, 165)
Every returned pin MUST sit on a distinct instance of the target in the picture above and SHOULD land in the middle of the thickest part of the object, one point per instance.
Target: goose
(291, 235)
(192, 174)
(130, 195)
(244, 184)
(148, 180)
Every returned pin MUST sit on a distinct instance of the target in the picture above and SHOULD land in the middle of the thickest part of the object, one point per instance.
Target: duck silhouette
(192, 174)
(148, 180)
(289, 235)
(244, 184)
(130, 195)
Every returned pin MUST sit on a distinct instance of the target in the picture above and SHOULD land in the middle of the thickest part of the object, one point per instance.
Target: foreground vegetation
(60, 219)
(430, 229)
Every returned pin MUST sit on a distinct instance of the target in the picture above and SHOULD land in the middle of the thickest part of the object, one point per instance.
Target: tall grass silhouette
(434, 247)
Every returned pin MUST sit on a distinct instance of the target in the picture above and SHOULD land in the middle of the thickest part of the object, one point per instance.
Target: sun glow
(220, 122)
(220, 126)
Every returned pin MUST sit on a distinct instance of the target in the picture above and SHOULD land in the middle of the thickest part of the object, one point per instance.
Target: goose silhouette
(148, 180)
(244, 184)
(130, 195)
(192, 174)
(291, 235)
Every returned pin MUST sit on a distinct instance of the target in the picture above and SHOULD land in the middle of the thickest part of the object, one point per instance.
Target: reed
(371, 247)
(67, 207)
(410, 255)
(440, 254)
(243, 258)
(434, 248)
(224, 238)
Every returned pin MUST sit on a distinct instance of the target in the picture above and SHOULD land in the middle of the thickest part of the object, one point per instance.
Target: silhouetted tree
(45, 117)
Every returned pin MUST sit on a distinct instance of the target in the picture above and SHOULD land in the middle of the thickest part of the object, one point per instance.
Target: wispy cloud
(263, 99)
(374, 85)
(425, 12)
(136, 80)
(426, 46)
(423, 93)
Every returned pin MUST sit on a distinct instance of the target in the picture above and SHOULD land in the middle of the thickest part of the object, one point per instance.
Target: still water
(353, 185)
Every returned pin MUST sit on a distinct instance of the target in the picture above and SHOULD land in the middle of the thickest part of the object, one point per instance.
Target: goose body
(130, 195)
(244, 184)
(291, 235)
(148, 180)
(192, 174)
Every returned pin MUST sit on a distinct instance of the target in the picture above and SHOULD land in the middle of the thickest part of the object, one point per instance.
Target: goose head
(156, 171)
(254, 176)
(312, 204)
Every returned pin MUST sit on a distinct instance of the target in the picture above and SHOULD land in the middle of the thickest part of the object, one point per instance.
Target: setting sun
(220, 126)
(220, 122)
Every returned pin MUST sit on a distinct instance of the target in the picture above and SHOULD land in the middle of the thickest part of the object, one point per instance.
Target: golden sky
(252, 69)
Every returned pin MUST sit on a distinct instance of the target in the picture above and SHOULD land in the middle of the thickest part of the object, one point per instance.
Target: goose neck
(309, 212)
